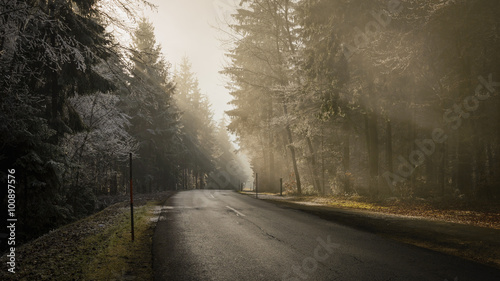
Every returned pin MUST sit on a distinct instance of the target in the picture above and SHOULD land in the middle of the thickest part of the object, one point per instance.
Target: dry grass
(484, 214)
(118, 257)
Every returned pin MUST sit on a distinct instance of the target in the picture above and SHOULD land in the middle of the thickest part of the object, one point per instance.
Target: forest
(381, 98)
(76, 102)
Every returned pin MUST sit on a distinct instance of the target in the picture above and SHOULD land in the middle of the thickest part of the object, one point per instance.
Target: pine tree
(261, 75)
(197, 123)
(154, 114)
(49, 50)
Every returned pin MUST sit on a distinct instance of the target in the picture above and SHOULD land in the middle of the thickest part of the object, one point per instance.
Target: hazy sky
(184, 27)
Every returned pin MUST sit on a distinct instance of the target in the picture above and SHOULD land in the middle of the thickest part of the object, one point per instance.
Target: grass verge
(118, 257)
(98, 247)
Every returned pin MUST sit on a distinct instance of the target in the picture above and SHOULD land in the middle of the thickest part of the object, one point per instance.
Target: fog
(189, 28)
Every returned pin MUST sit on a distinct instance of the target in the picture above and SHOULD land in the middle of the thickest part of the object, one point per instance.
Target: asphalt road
(223, 235)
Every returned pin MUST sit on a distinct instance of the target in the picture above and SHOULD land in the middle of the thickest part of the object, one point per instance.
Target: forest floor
(98, 247)
(466, 229)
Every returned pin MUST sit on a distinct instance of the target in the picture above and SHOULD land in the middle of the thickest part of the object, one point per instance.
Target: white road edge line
(237, 212)
(212, 196)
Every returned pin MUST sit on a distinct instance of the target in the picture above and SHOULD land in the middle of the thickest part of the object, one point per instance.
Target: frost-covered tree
(260, 72)
(53, 55)
(362, 84)
(48, 53)
(99, 151)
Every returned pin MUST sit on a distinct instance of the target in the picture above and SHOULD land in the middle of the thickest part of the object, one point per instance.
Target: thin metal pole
(256, 185)
(131, 199)
(281, 186)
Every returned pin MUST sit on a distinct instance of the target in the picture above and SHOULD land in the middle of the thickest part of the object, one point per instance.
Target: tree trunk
(314, 168)
(373, 151)
(465, 132)
(114, 184)
(271, 178)
(464, 180)
(292, 152)
(388, 147)
(346, 161)
(442, 170)
(481, 169)
(322, 163)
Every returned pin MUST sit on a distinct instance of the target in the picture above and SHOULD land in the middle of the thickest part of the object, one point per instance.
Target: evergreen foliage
(366, 85)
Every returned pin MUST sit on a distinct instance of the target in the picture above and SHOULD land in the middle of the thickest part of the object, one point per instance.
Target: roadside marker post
(256, 185)
(281, 186)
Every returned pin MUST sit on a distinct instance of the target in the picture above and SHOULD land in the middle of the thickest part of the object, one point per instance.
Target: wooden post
(131, 199)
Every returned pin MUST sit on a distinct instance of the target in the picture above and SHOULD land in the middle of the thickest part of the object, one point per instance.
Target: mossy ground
(117, 257)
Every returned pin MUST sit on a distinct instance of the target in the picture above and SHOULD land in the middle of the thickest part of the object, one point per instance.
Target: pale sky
(184, 28)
